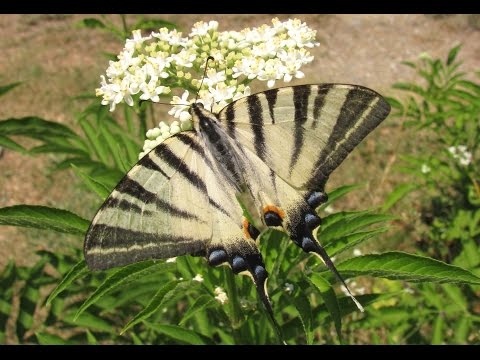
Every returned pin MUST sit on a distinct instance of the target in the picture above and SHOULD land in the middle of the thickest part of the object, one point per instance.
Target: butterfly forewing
(160, 209)
(304, 132)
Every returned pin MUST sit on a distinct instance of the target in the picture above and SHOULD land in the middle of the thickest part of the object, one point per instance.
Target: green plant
(444, 108)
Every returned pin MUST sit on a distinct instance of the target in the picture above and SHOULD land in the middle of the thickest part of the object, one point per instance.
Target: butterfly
(261, 162)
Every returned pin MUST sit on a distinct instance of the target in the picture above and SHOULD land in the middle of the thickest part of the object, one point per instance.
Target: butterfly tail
(261, 286)
(319, 250)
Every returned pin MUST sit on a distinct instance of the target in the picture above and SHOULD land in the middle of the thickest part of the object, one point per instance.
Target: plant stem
(234, 304)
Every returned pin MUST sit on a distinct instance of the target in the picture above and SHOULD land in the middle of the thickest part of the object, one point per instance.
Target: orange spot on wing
(274, 209)
(245, 229)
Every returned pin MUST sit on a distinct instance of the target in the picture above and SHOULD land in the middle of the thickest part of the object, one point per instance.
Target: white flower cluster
(461, 154)
(152, 66)
(425, 169)
(198, 278)
(220, 295)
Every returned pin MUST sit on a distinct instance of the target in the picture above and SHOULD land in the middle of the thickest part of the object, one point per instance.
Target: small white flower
(172, 260)
(222, 92)
(221, 295)
(329, 209)
(202, 28)
(214, 77)
(180, 104)
(198, 278)
(289, 288)
(461, 154)
(357, 252)
(425, 169)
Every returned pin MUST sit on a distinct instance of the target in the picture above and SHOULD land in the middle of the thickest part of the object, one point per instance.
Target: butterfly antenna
(204, 73)
(329, 264)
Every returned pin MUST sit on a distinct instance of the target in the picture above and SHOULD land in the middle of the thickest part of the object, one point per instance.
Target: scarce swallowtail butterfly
(267, 155)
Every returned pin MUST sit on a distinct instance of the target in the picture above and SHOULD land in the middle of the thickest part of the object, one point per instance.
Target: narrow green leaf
(330, 300)
(397, 194)
(123, 277)
(6, 88)
(201, 304)
(90, 321)
(346, 242)
(153, 305)
(348, 225)
(113, 148)
(182, 335)
(304, 309)
(93, 137)
(91, 340)
(92, 184)
(462, 328)
(42, 217)
(92, 23)
(338, 193)
(49, 339)
(12, 145)
(453, 54)
(409, 87)
(398, 265)
(437, 333)
(53, 148)
(77, 271)
(34, 127)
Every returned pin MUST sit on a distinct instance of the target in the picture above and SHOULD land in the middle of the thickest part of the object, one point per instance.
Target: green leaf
(42, 217)
(338, 193)
(154, 24)
(153, 305)
(91, 340)
(34, 127)
(437, 337)
(181, 334)
(330, 300)
(347, 224)
(453, 54)
(90, 321)
(304, 309)
(77, 271)
(398, 265)
(6, 88)
(93, 137)
(12, 145)
(92, 23)
(49, 339)
(123, 277)
(113, 148)
(397, 194)
(201, 304)
(92, 184)
(462, 328)
(346, 242)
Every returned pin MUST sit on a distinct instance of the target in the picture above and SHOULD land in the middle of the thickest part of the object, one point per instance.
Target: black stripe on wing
(134, 189)
(346, 130)
(109, 246)
(300, 102)
(255, 113)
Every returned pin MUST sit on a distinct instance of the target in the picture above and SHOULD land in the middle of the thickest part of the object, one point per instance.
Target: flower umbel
(150, 67)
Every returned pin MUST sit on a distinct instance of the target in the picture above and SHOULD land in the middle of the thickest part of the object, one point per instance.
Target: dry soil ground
(57, 60)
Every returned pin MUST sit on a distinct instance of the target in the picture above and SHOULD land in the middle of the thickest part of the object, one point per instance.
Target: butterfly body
(263, 161)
